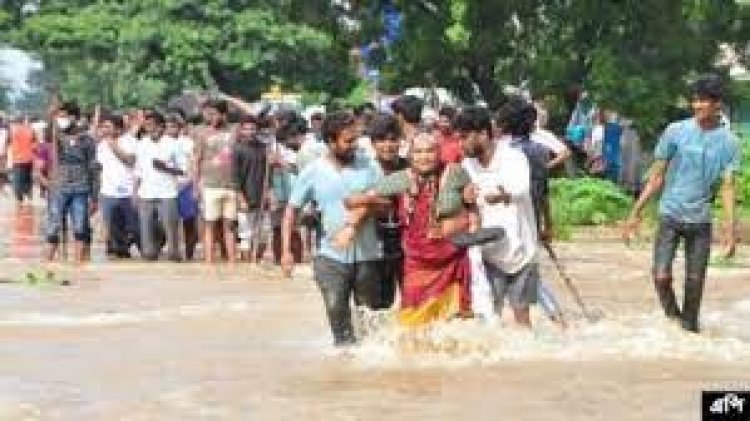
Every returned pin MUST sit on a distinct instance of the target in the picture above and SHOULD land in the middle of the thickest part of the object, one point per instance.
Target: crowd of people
(446, 213)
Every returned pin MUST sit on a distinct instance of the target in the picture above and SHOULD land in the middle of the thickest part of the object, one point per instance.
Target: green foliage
(587, 201)
(743, 179)
(361, 93)
(632, 55)
(141, 51)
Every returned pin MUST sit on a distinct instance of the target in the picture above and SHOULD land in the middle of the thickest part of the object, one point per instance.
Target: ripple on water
(125, 317)
(634, 336)
(642, 336)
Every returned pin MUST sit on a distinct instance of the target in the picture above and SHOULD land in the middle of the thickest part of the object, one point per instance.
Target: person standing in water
(502, 175)
(693, 158)
(340, 274)
(385, 135)
(73, 183)
(213, 178)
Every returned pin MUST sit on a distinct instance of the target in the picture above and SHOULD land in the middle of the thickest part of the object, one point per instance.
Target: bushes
(743, 179)
(587, 201)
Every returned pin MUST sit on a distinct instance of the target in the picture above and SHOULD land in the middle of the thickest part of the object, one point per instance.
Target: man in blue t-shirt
(340, 273)
(693, 158)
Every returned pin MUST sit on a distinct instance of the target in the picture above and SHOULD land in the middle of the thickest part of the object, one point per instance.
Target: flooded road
(139, 341)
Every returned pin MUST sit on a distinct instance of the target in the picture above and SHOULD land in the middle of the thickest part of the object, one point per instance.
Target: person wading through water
(340, 274)
(694, 157)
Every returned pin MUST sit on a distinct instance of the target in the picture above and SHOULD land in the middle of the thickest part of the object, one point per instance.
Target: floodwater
(137, 341)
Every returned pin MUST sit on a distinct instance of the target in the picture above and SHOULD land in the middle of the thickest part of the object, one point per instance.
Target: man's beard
(247, 138)
(475, 152)
(345, 157)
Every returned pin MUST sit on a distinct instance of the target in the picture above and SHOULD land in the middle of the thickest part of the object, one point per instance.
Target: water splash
(642, 336)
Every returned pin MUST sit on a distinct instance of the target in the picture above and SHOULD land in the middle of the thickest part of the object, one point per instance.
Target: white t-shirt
(156, 184)
(549, 140)
(594, 146)
(184, 148)
(117, 179)
(510, 170)
(310, 150)
(3, 140)
(39, 127)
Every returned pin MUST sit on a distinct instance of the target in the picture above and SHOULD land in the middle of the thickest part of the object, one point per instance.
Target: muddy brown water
(138, 341)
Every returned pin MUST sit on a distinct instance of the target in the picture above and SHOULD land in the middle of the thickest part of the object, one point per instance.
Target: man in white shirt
(115, 154)
(156, 186)
(188, 208)
(3, 153)
(502, 178)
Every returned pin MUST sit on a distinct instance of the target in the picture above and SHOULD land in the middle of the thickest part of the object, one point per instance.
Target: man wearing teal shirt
(340, 273)
(693, 157)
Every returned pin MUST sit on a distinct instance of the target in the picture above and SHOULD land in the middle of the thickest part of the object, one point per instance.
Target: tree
(136, 52)
(636, 56)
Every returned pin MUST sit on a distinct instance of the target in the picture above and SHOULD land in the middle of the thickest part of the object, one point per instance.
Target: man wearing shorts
(213, 164)
(502, 177)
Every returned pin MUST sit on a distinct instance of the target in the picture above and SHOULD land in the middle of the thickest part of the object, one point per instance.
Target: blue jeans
(339, 284)
(121, 222)
(62, 205)
(697, 238)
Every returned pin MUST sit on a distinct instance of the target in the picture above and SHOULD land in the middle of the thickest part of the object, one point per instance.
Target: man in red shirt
(22, 143)
(450, 145)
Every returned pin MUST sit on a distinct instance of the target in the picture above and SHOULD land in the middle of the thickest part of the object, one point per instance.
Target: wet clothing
(449, 197)
(70, 206)
(339, 283)
(389, 233)
(520, 288)
(509, 169)
(74, 183)
(388, 225)
(436, 272)
(698, 159)
(697, 239)
(342, 274)
(328, 185)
